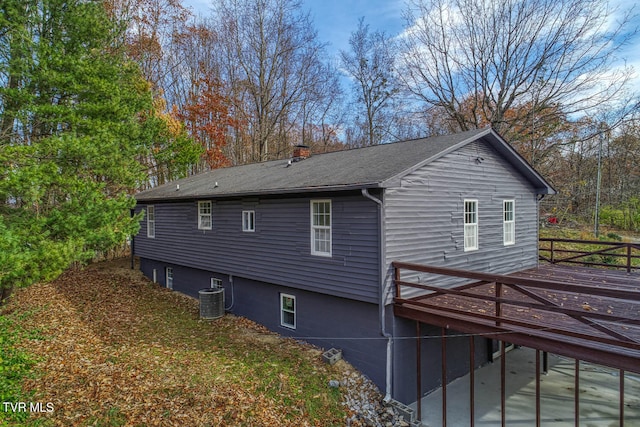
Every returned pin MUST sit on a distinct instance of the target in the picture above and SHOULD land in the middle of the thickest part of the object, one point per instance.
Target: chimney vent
(301, 152)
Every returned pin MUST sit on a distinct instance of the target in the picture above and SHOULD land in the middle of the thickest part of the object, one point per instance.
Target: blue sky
(336, 19)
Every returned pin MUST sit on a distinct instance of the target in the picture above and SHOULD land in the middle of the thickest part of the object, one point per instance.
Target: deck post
(538, 388)
(418, 371)
(577, 394)
(472, 381)
(621, 397)
(444, 376)
(503, 383)
(628, 257)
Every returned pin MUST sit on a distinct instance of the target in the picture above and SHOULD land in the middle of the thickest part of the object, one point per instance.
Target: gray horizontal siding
(279, 250)
(424, 215)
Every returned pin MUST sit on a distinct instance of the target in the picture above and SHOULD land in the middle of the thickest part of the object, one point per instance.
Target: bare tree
(273, 61)
(370, 64)
(322, 111)
(507, 62)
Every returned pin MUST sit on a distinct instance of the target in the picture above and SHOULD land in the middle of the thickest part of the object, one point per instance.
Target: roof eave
(267, 192)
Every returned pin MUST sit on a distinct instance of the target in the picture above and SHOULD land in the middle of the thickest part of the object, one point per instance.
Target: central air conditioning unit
(212, 301)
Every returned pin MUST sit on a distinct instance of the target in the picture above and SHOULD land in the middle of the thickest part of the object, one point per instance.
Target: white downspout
(381, 302)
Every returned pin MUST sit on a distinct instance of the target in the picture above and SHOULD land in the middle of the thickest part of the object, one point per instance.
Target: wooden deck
(585, 313)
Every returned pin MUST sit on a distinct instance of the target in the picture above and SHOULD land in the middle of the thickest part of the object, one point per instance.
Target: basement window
(169, 277)
(288, 311)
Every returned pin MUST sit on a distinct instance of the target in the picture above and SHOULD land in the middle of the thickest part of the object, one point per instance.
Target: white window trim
(249, 221)
(168, 277)
(151, 221)
(201, 216)
(471, 228)
(321, 227)
(509, 236)
(283, 311)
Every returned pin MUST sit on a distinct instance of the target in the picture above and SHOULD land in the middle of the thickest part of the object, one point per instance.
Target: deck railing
(619, 255)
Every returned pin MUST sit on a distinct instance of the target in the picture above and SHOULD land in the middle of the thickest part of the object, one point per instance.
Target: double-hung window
(204, 215)
(470, 225)
(248, 221)
(151, 221)
(509, 222)
(288, 311)
(169, 277)
(321, 227)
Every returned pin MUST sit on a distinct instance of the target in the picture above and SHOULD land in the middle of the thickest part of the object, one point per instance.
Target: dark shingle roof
(367, 167)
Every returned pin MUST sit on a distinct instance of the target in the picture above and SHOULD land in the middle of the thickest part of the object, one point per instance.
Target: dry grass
(114, 349)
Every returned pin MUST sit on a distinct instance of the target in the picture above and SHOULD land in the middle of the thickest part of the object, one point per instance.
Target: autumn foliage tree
(208, 118)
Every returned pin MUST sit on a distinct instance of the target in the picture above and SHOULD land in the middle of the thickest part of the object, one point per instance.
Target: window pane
(288, 303)
(321, 214)
(509, 232)
(322, 240)
(205, 208)
(288, 319)
(205, 222)
(470, 212)
(508, 211)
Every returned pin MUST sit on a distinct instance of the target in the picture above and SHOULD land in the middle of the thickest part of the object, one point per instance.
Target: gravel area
(366, 403)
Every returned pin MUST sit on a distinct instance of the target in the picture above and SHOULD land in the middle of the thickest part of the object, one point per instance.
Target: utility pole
(597, 215)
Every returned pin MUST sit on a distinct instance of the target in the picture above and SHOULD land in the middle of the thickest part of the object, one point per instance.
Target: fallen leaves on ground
(116, 349)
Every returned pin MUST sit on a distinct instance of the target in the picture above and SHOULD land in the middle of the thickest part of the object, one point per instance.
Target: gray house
(304, 246)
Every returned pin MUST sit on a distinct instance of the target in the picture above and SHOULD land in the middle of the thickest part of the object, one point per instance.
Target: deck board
(602, 328)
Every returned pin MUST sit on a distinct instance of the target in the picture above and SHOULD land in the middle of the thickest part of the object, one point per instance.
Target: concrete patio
(599, 395)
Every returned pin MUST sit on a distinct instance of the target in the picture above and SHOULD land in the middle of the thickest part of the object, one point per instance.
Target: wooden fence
(591, 253)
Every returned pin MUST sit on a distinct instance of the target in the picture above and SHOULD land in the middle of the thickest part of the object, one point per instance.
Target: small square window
(288, 311)
(204, 215)
(216, 283)
(248, 221)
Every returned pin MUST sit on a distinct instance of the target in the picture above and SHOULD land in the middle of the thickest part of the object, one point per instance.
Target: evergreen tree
(76, 123)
